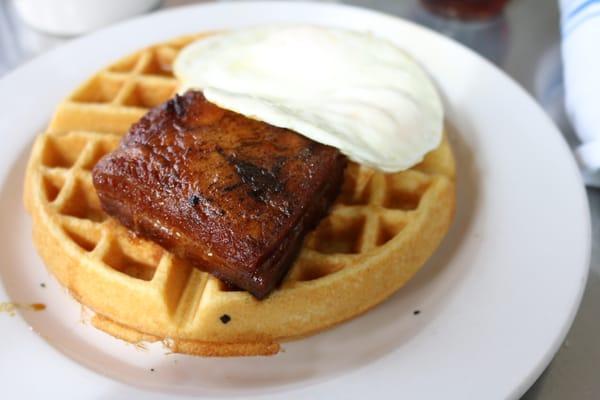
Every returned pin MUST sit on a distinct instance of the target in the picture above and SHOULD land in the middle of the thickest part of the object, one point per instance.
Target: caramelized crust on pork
(233, 195)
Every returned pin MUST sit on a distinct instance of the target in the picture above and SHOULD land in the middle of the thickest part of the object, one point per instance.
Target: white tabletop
(524, 42)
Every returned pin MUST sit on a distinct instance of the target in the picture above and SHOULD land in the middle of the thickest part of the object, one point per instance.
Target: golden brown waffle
(381, 230)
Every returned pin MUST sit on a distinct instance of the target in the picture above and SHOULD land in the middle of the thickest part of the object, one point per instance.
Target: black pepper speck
(194, 200)
(225, 318)
(43, 285)
(416, 312)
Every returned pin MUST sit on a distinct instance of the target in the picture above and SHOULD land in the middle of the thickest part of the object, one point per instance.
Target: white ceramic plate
(495, 301)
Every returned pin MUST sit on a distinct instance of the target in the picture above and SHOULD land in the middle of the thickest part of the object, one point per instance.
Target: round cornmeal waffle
(380, 231)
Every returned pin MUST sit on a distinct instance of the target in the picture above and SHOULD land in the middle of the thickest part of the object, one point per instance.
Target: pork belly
(232, 195)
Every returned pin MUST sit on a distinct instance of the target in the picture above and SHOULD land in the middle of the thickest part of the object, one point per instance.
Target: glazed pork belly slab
(232, 195)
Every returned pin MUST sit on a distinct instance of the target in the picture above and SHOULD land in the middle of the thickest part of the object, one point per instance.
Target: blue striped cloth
(580, 24)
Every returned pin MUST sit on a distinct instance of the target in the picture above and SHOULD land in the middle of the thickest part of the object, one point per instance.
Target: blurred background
(522, 37)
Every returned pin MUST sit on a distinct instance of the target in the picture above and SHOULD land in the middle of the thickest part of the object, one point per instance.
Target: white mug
(74, 17)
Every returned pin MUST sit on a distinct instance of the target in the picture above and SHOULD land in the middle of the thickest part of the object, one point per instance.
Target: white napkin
(580, 23)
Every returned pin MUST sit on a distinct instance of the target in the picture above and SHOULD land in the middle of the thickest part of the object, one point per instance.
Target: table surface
(524, 42)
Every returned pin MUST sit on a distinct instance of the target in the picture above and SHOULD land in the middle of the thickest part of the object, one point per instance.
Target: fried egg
(351, 90)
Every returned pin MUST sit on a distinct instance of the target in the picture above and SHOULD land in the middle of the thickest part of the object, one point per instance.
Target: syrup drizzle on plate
(11, 308)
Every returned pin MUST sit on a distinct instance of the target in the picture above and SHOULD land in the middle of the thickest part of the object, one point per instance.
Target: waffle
(380, 231)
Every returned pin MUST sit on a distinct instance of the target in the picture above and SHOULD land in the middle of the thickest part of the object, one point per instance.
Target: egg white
(346, 89)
